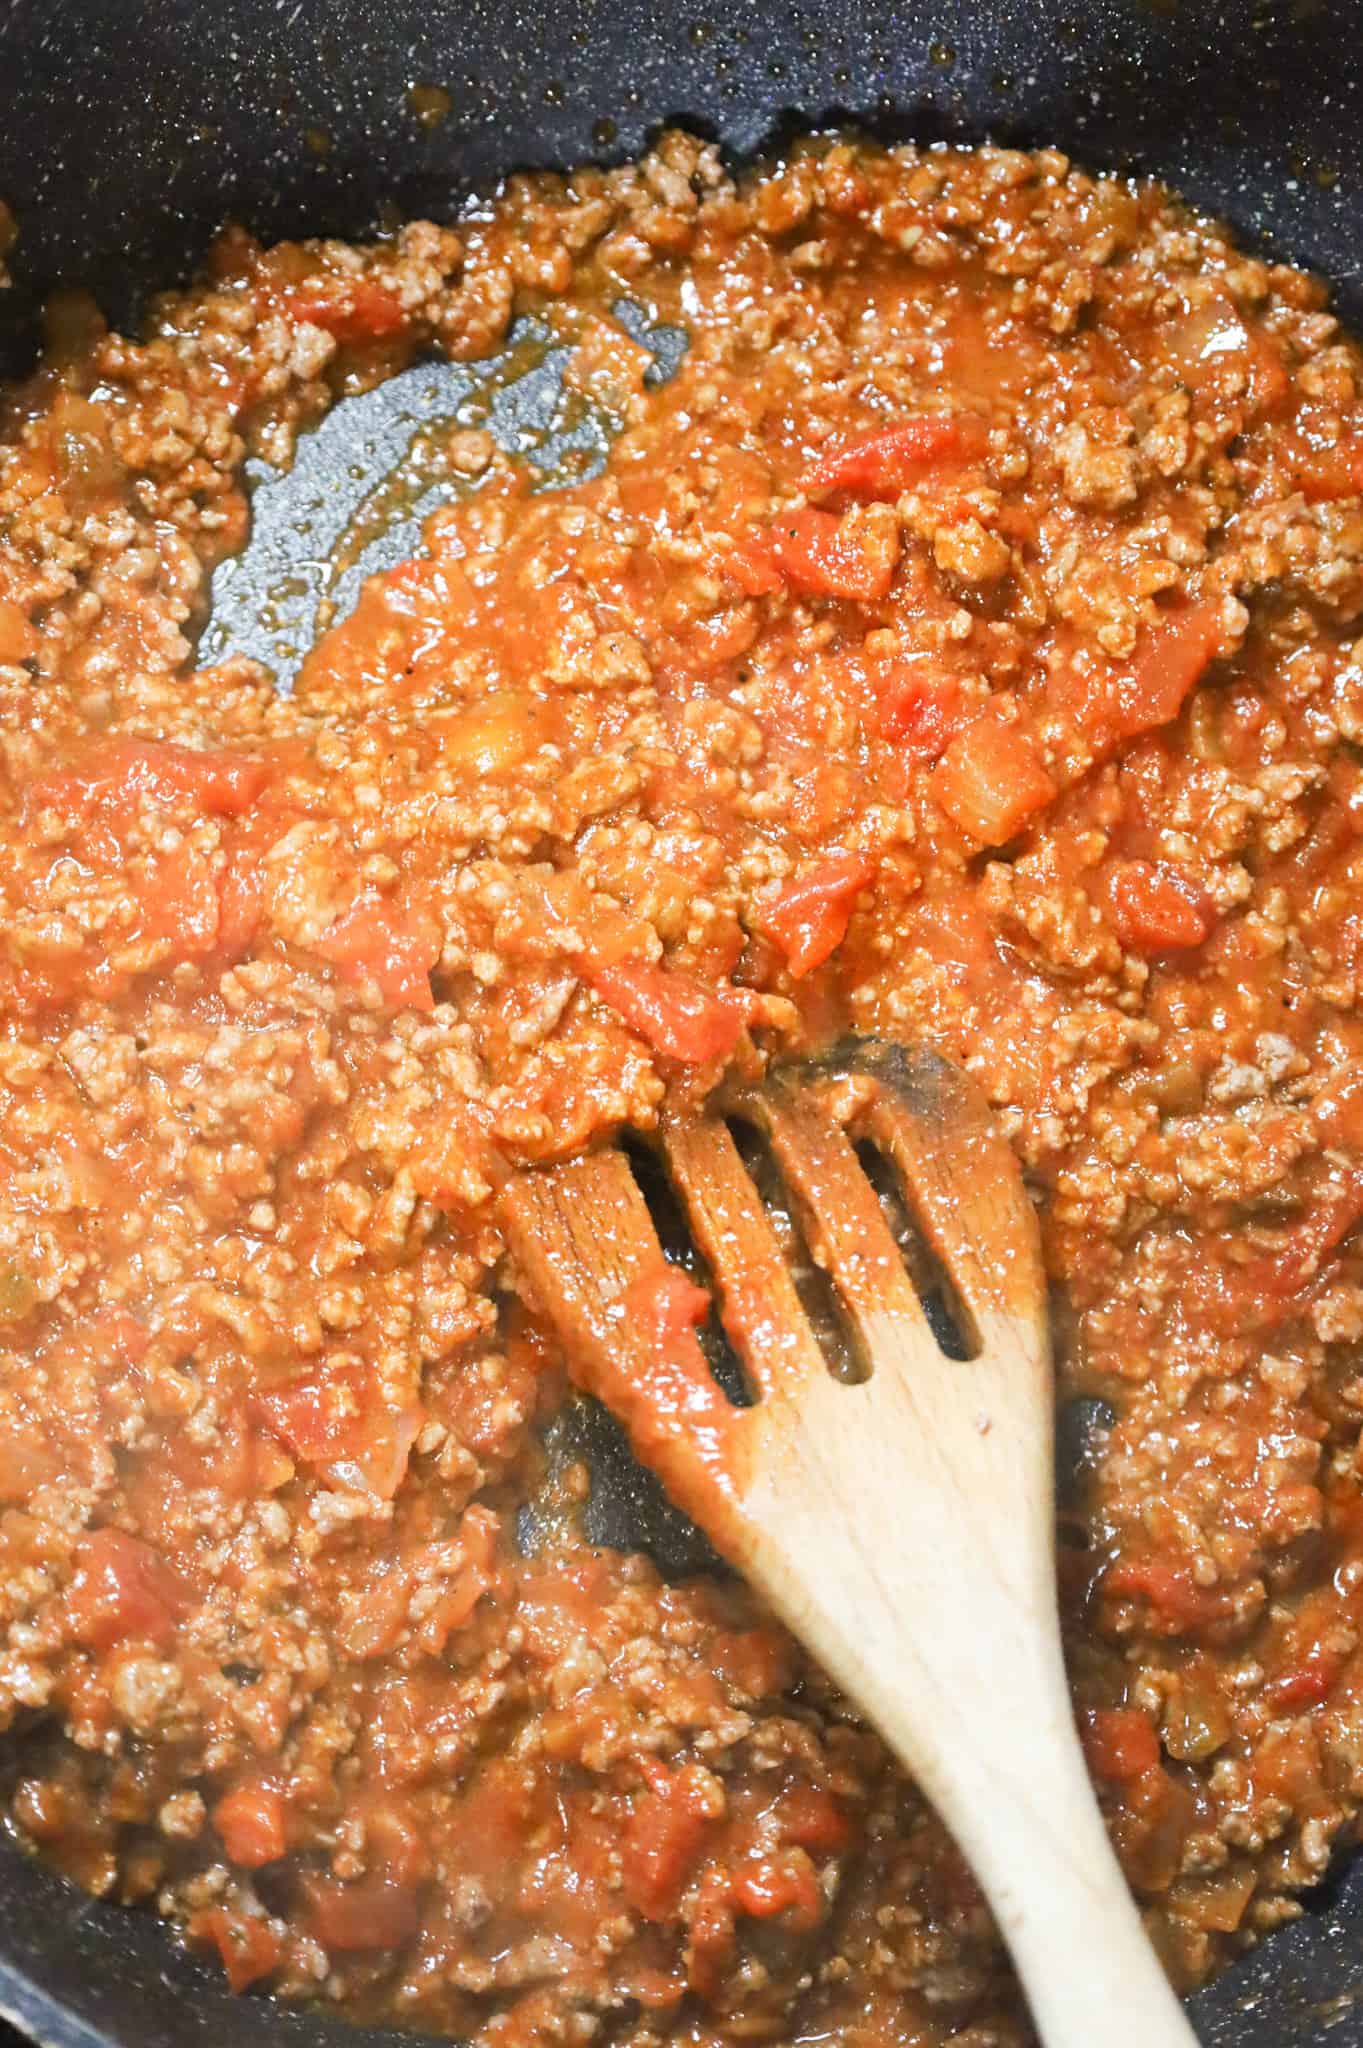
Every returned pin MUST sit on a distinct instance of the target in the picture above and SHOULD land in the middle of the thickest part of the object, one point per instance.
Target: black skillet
(130, 128)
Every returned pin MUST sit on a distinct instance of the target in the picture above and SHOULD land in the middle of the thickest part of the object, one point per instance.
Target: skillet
(128, 134)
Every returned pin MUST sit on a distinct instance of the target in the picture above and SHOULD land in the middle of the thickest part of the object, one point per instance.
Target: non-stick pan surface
(130, 129)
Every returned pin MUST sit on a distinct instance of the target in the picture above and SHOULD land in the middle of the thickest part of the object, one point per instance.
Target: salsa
(964, 645)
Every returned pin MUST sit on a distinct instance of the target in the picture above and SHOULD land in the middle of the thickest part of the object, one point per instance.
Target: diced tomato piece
(1309, 1684)
(395, 1838)
(378, 1463)
(756, 1662)
(1285, 1766)
(1117, 702)
(854, 555)
(765, 1886)
(918, 706)
(1170, 1590)
(337, 1418)
(18, 641)
(241, 880)
(1156, 909)
(883, 464)
(1329, 472)
(372, 1621)
(809, 916)
(679, 1420)
(813, 1819)
(669, 1305)
(990, 780)
(678, 1015)
(1120, 1744)
(320, 1416)
(250, 1949)
(1168, 662)
(374, 1913)
(241, 899)
(113, 1333)
(1269, 381)
(453, 1609)
(667, 1825)
(353, 309)
(250, 1820)
(178, 900)
(26, 1462)
(124, 1591)
(712, 1930)
(1331, 1217)
(131, 772)
(750, 564)
(377, 940)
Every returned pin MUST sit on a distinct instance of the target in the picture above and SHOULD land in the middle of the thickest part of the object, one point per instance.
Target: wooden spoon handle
(964, 1679)
(904, 1530)
(1039, 1848)
(928, 1595)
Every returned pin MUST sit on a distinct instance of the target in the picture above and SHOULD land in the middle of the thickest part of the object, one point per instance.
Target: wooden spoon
(901, 1526)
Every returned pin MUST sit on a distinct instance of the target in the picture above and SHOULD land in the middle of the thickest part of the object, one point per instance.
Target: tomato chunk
(813, 1819)
(752, 568)
(338, 1418)
(18, 641)
(250, 1819)
(1322, 473)
(918, 706)
(660, 1386)
(667, 1825)
(124, 1591)
(808, 918)
(353, 309)
(712, 1930)
(374, 1913)
(1117, 702)
(883, 464)
(1171, 658)
(1331, 1217)
(26, 1462)
(1120, 1744)
(678, 1015)
(1157, 909)
(1308, 1684)
(766, 1886)
(133, 772)
(178, 900)
(990, 780)
(1175, 1599)
(249, 1948)
(377, 940)
(853, 556)
(669, 1305)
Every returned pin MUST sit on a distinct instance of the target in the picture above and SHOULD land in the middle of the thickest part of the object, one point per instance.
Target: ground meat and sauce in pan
(966, 645)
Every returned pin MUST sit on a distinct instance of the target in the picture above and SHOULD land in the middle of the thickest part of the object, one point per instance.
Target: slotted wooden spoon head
(898, 1516)
(810, 1489)
(589, 1254)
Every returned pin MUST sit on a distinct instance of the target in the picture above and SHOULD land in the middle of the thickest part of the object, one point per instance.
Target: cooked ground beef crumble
(964, 645)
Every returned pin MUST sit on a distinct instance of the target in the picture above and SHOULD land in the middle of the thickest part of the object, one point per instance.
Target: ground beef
(965, 644)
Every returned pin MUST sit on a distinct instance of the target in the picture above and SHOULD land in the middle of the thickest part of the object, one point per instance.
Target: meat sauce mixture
(964, 645)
